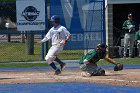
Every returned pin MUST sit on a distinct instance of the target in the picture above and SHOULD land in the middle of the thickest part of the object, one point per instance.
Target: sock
(58, 60)
(53, 66)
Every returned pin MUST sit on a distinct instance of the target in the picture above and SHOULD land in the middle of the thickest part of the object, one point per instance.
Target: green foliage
(127, 61)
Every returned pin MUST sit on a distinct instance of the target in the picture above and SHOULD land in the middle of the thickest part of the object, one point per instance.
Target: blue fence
(85, 19)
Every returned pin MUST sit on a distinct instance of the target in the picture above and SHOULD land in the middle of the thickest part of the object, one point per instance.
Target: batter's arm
(63, 42)
(46, 38)
(68, 36)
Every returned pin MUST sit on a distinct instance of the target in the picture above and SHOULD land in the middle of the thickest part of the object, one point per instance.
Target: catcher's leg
(91, 70)
(99, 72)
(85, 71)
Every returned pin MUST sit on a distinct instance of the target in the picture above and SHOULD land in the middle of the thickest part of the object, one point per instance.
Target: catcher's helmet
(55, 18)
(101, 47)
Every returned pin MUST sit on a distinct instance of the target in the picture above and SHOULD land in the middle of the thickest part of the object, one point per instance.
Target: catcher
(88, 62)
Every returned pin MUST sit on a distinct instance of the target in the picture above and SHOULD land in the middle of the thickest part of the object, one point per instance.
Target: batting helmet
(55, 18)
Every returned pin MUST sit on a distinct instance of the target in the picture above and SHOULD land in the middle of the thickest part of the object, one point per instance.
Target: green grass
(71, 54)
(17, 52)
(128, 61)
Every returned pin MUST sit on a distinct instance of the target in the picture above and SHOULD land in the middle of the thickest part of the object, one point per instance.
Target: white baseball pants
(53, 52)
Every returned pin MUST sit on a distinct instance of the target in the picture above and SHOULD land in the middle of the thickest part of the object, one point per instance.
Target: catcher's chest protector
(91, 56)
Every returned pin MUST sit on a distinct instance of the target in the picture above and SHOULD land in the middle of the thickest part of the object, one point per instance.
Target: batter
(59, 35)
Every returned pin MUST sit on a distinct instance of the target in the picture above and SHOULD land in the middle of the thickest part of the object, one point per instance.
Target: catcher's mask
(101, 48)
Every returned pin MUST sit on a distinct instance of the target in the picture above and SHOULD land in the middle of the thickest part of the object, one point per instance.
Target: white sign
(30, 15)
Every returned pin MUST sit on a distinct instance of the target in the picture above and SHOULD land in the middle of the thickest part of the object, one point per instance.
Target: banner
(30, 15)
(85, 19)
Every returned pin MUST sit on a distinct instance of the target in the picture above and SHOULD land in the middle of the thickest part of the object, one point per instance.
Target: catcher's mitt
(118, 67)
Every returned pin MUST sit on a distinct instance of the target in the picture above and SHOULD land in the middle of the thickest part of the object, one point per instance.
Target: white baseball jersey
(56, 34)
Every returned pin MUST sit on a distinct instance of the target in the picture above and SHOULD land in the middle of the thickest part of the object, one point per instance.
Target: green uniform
(126, 25)
(137, 38)
(92, 57)
(129, 36)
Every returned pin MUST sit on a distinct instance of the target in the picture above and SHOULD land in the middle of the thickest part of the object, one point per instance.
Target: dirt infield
(127, 77)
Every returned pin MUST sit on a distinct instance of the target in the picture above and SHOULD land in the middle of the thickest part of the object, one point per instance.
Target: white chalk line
(134, 72)
(114, 80)
(109, 73)
(76, 78)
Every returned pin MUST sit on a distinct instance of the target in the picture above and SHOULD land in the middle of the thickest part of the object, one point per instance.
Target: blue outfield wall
(85, 19)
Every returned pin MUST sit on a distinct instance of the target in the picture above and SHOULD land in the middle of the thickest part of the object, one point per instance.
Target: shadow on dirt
(6, 78)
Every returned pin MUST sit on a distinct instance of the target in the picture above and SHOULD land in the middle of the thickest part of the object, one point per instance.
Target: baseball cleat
(62, 66)
(57, 72)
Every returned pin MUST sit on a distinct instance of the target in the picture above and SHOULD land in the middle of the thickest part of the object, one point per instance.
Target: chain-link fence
(13, 46)
(84, 20)
(13, 43)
